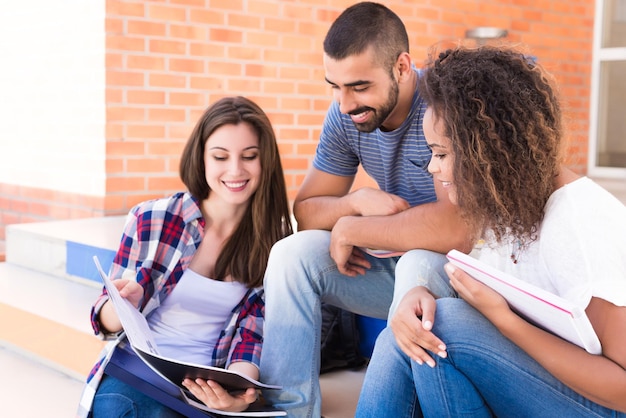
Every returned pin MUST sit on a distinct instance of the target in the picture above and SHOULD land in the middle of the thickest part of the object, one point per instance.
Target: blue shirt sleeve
(334, 154)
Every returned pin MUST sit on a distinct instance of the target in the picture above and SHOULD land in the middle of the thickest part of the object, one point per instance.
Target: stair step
(47, 317)
(65, 248)
(19, 371)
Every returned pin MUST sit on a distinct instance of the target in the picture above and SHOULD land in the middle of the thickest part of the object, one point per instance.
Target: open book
(545, 309)
(142, 342)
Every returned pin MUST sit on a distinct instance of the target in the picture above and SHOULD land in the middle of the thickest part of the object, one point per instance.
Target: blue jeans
(116, 399)
(299, 276)
(484, 375)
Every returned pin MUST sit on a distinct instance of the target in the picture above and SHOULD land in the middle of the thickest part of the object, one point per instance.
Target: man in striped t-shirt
(375, 121)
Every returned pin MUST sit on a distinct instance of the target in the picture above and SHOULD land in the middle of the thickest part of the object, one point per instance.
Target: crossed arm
(372, 218)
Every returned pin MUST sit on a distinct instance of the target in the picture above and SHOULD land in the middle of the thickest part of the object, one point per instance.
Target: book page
(134, 323)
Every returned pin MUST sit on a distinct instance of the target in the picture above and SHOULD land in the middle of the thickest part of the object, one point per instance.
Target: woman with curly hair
(494, 125)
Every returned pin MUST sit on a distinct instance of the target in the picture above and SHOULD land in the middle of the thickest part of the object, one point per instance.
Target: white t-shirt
(581, 250)
(188, 323)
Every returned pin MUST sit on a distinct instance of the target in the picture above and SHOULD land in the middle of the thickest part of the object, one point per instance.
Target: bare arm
(435, 226)
(129, 289)
(324, 198)
(601, 379)
(376, 219)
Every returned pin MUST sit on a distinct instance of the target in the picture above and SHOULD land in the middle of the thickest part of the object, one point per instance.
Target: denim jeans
(116, 399)
(484, 375)
(299, 276)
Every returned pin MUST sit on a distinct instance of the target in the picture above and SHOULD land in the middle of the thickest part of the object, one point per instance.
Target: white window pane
(611, 135)
(614, 27)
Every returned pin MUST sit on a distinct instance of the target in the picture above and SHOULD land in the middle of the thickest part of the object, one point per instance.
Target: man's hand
(349, 259)
(413, 334)
(368, 201)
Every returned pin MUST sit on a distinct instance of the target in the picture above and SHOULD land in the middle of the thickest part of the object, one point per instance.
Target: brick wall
(165, 61)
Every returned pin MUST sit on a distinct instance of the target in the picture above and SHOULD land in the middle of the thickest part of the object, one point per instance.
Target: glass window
(614, 24)
(607, 135)
(611, 134)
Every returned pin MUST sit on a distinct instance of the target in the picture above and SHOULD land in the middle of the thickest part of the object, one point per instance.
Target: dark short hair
(365, 25)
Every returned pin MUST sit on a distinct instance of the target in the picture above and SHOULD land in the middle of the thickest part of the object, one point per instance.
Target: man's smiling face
(364, 90)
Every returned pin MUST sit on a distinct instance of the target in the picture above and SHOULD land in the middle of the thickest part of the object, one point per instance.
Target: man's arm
(324, 198)
(319, 202)
(436, 226)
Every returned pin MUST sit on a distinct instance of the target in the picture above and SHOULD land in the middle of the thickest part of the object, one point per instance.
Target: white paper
(134, 323)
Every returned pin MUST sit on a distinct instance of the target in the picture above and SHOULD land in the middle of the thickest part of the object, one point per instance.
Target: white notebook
(545, 309)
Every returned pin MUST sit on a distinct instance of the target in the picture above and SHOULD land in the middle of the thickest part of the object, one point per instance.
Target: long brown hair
(267, 220)
(502, 115)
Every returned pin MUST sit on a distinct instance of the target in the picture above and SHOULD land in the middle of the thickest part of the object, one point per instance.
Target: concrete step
(47, 317)
(58, 399)
(64, 248)
(47, 286)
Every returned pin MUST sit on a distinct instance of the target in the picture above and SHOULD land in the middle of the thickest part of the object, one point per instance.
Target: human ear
(403, 66)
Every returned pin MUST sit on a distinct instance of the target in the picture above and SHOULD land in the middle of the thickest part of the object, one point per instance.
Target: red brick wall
(167, 60)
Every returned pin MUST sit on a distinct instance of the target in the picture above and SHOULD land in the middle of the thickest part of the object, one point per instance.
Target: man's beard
(381, 114)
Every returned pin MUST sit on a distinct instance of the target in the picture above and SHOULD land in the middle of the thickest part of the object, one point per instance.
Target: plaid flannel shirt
(159, 240)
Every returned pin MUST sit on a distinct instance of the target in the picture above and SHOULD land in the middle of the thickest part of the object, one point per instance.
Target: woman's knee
(385, 342)
(458, 321)
(424, 268)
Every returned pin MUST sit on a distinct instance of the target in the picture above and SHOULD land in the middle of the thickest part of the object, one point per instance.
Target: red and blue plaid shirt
(159, 240)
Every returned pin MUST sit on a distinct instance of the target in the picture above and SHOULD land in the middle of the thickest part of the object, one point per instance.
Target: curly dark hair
(501, 112)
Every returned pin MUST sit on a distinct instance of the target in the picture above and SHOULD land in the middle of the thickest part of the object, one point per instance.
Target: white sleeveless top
(188, 323)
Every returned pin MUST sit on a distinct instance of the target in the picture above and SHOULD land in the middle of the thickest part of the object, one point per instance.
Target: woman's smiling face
(232, 163)
(441, 164)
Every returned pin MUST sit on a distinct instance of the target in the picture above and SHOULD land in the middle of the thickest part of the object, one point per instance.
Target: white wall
(52, 86)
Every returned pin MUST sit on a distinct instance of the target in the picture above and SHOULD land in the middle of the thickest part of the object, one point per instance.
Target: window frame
(600, 55)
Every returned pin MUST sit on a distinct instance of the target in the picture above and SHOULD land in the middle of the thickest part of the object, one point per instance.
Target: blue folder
(127, 367)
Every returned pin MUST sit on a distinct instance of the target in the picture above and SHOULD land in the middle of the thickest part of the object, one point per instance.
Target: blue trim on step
(79, 261)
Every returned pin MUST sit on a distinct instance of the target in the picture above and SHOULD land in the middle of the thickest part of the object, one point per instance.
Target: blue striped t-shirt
(397, 160)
